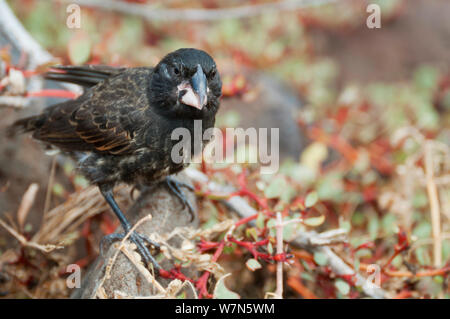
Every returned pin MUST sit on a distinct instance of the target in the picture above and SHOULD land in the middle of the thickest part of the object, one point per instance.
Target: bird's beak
(196, 90)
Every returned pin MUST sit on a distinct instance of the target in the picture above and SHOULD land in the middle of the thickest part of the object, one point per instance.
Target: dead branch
(26, 203)
(26, 243)
(279, 227)
(151, 14)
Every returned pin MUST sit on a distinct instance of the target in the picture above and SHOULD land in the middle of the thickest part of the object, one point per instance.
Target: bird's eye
(176, 70)
(212, 73)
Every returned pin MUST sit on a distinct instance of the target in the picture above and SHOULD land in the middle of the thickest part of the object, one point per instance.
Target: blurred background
(363, 116)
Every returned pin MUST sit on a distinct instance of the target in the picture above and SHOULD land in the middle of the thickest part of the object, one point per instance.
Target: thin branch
(26, 243)
(147, 12)
(48, 195)
(279, 227)
(434, 204)
(26, 204)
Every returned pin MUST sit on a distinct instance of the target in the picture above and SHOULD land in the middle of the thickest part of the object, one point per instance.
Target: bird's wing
(84, 75)
(106, 119)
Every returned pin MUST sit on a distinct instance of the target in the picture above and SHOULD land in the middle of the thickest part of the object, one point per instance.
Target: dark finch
(120, 129)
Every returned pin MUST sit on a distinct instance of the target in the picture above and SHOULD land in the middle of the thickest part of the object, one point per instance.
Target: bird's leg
(136, 238)
(175, 187)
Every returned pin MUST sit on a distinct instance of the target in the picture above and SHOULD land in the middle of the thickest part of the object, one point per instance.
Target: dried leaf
(252, 264)
(26, 203)
(314, 221)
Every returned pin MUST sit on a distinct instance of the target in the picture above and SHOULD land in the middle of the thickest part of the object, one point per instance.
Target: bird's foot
(140, 240)
(175, 187)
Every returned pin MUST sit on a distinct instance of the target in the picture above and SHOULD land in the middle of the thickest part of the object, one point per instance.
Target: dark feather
(86, 75)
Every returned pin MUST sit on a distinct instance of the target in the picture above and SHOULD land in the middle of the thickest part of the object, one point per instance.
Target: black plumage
(120, 129)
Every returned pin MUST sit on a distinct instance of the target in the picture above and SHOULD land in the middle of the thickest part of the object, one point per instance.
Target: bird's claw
(140, 241)
(175, 187)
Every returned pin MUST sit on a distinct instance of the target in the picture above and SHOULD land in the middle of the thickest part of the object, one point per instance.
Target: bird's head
(186, 82)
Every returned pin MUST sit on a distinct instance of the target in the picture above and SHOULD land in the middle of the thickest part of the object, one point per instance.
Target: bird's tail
(84, 75)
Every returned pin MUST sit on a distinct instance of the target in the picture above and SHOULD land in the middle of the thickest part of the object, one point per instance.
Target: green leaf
(276, 187)
(311, 199)
(68, 168)
(358, 219)
(252, 264)
(397, 261)
(289, 231)
(363, 253)
(271, 223)
(423, 256)
(81, 181)
(320, 258)
(356, 264)
(345, 224)
(79, 49)
(251, 232)
(446, 250)
(129, 36)
(229, 249)
(288, 194)
(331, 187)
(260, 221)
(420, 200)
(58, 189)
(423, 230)
(373, 227)
(313, 155)
(222, 292)
(389, 224)
(342, 286)
(307, 276)
(438, 279)
(426, 77)
(303, 175)
(270, 248)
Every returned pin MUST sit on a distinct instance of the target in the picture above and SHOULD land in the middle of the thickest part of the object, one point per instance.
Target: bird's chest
(166, 151)
(150, 165)
(191, 137)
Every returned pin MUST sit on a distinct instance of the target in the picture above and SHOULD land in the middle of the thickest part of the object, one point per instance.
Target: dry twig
(151, 14)
(434, 204)
(279, 227)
